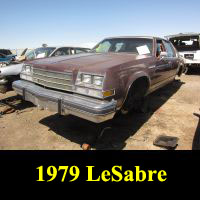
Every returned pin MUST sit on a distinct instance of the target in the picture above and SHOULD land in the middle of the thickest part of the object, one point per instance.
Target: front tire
(135, 100)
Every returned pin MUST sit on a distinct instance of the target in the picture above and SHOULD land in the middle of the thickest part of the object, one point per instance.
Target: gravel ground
(171, 112)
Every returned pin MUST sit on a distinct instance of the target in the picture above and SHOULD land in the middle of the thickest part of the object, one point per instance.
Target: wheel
(135, 100)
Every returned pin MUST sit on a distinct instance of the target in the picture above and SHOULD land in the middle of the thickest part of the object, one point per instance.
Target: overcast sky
(27, 23)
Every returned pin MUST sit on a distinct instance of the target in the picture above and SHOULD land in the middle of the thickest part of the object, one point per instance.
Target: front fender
(11, 70)
(136, 76)
(131, 80)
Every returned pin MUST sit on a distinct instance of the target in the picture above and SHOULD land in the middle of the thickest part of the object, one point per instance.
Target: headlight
(87, 79)
(90, 81)
(92, 85)
(26, 73)
(27, 69)
(98, 80)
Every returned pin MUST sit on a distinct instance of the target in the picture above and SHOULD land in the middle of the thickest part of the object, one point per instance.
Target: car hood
(98, 62)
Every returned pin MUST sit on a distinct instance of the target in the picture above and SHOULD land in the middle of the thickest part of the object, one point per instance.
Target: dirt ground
(171, 112)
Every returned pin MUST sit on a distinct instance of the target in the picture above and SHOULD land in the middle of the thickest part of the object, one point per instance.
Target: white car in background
(10, 73)
(188, 46)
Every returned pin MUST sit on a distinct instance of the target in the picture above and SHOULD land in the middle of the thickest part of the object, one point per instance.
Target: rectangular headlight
(27, 69)
(98, 80)
(86, 79)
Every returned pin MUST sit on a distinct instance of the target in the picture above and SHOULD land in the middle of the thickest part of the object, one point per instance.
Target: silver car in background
(10, 73)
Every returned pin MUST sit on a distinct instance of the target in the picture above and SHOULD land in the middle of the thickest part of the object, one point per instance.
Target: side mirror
(163, 54)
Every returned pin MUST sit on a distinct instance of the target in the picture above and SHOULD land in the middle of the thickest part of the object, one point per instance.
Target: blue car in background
(6, 55)
(6, 58)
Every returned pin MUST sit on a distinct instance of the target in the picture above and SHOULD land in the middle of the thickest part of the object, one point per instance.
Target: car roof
(182, 35)
(72, 47)
(58, 47)
(129, 37)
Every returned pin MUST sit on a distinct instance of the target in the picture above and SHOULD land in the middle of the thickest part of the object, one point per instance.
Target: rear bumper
(65, 104)
(193, 65)
(192, 62)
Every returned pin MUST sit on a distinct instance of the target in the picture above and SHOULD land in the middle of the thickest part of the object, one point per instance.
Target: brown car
(113, 77)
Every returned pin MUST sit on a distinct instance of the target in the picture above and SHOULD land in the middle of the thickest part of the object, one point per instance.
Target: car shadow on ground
(196, 140)
(15, 102)
(194, 71)
(117, 131)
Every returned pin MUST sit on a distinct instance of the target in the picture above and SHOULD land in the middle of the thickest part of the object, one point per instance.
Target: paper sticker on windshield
(41, 55)
(142, 50)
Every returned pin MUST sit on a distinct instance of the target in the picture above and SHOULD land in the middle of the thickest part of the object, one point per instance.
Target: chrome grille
(56, 80)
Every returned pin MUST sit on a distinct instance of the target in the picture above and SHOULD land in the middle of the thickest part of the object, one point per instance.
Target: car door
(172, 58)
(162, 67)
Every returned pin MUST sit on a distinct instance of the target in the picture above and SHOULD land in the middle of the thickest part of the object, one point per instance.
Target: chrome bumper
(65, 104)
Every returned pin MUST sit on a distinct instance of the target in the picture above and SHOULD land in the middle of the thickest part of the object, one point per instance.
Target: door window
(169, 49)
(80, 51)
(31, 55)
(62, 52)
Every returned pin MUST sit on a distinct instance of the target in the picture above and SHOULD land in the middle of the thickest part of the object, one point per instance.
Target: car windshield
(5, 52)
(140, 46)
(186, 43)
(44, 52)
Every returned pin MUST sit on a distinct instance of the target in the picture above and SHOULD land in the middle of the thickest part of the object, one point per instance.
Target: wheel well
(140, 87)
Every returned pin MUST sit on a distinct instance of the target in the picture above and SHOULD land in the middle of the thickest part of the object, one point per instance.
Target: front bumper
(65, 104)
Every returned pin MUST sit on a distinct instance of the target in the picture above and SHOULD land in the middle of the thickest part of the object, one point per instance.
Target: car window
(5, 52)
(61, 52)
(2, 55)
(43, 52)
(186, 43)
(169, 49)
(30, 55)
(160, 47)
(79, 50)
(141, 46)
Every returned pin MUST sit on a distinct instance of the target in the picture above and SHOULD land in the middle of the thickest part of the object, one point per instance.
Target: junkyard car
(6, 58)
(22, 56)
(114, 77)
(10, 73)
(188, 46)
(8, 53)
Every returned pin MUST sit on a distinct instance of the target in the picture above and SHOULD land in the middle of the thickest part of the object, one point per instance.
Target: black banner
(160, 168)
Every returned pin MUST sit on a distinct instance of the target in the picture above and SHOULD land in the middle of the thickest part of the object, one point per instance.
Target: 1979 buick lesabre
(114, 77)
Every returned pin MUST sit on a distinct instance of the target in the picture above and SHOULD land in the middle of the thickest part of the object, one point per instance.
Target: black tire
(135, 101)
